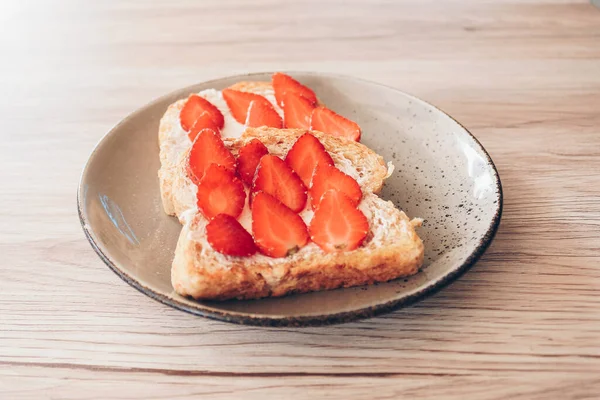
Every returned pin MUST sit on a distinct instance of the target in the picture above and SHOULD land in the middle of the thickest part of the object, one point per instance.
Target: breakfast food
(271, 205)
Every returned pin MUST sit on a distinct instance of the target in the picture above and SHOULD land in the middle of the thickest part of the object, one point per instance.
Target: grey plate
(443, 175)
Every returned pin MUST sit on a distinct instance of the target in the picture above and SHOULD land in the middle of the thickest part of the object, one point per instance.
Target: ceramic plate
(442, 175)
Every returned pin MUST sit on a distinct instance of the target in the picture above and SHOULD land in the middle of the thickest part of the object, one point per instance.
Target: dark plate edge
(311, 320)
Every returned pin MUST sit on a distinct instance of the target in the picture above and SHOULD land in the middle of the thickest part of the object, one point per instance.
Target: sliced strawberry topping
(337, 224)
(283, 84)
(193, 109)
(220, 192)
(204, 121)
(207, 149)
(325, 120)
(328, 177)
(297, 110)
(248, 159)
(305, 155)
(274, 177)
(227, 236)
(278, 231)
(239, 103)
(262, 113)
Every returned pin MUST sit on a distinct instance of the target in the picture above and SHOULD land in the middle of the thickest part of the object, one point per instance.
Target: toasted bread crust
(252, 86)
(256, 87)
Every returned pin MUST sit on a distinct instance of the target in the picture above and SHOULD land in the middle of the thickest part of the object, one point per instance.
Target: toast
(392, 248)
(382, 246)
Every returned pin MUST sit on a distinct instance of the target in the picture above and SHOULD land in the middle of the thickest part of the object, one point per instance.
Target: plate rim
(302, 320)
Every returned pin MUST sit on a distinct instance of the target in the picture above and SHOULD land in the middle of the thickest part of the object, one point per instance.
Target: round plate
(442, 175)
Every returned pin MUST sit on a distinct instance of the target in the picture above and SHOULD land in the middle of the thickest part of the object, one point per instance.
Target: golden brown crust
(168, 163)
(256, 87)
(252, 86)
(243, 282)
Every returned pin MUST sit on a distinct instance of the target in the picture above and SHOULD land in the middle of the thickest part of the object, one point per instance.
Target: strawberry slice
(283, 84)
(204, 121)
(337, 224)
(220, 192)
(297, 110)
(248, 159)
(305, 155)
(329, 177)
(193, 109)
(262, 113)
(227, 236)
(239, 103)
(325, 120)
(278, 231)
(207, 149)
(274, 177)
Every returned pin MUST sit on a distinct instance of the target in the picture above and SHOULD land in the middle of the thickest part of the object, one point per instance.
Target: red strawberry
(220, 192)
(207, 149)
(239, 103)
(193, 109)
(278, 231)
(262, 113)
(337, 224)
(204, 121)
(283, 84)
(248, 159)
(325, 120)
(227, 236)
(297, 110)
(274, 177)
(305, 155)
(329, 177)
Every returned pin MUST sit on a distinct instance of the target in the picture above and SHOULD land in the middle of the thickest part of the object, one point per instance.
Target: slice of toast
(392, 248)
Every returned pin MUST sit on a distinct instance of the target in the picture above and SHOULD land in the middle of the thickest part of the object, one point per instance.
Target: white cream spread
(245, 217)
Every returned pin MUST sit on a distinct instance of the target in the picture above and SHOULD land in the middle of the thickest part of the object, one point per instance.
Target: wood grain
(524, 323)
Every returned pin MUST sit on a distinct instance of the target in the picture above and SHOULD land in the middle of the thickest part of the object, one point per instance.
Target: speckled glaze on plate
(442, 175)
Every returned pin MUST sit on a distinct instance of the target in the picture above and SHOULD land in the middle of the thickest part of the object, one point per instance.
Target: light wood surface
(524, 323)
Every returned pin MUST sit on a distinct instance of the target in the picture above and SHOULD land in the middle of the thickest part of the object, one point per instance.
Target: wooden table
(524, 323)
